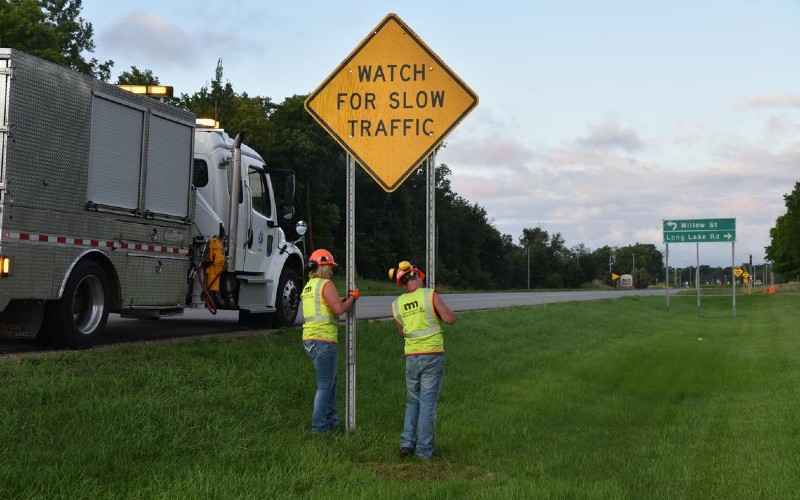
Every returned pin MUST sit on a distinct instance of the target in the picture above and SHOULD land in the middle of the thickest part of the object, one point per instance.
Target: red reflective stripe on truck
(110, 244)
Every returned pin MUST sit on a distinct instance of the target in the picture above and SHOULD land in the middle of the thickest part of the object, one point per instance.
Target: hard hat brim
(400, 275)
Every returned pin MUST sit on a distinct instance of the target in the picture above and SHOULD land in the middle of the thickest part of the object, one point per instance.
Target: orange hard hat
(321, 257)
(405, 269)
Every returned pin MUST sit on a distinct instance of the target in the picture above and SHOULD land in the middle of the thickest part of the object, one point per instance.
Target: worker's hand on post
(354, 293)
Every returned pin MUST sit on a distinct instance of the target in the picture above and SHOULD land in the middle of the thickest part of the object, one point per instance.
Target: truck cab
(258, 252)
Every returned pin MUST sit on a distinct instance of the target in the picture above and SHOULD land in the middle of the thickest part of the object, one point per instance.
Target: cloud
(485, 139)
(493, 150)
(610, 135)
(150, 38)
(784, 100)
(604, 197)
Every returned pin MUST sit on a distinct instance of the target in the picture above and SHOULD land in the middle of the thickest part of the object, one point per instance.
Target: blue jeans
(325, 356)
(424, 373)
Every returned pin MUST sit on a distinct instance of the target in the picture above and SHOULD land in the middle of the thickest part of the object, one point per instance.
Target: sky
(598, 119)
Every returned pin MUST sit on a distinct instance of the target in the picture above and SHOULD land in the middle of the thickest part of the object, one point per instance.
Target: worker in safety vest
(321, 309)
(418, 315)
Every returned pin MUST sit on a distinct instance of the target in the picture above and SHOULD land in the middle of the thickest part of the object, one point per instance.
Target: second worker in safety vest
(321, 309)
(418, 315)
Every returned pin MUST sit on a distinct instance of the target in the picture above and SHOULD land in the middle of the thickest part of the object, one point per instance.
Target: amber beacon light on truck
(154, 91)
(206, 123)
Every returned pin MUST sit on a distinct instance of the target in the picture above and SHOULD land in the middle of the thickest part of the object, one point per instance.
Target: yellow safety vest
(319, 322)
(422, 328)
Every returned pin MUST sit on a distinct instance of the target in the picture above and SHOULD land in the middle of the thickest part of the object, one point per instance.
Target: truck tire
(78, 317)
(287, 302)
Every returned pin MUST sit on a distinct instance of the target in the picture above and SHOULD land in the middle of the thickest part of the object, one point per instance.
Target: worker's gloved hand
(354, 293)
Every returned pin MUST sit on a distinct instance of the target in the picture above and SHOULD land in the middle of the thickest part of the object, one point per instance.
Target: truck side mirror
(301, 229)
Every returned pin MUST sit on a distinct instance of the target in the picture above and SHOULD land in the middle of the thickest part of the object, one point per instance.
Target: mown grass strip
(614, 399)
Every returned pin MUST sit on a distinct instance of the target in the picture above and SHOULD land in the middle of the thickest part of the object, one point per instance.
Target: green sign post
(700, 231)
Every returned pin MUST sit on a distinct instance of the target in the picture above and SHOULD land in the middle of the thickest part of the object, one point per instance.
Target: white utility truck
(116, 202)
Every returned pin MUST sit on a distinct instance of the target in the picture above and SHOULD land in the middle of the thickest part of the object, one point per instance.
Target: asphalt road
(196, 322)
(380, 307)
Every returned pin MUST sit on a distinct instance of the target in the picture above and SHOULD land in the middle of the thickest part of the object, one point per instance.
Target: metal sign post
(666, 277)
(697, 278)
(733, 275)
(350, 279)
(430, 223)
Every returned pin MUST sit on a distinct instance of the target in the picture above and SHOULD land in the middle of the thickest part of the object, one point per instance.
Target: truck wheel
(287, 303)
(78, 317)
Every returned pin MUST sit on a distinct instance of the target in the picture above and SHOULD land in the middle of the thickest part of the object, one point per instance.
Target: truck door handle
(249, 238)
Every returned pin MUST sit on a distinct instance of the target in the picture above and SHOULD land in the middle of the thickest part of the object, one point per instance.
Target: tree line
(471, 252)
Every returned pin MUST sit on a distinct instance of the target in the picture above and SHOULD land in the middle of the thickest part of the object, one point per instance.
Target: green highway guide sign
(699, 230)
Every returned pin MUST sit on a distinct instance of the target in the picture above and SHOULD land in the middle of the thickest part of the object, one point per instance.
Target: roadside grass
(726, 290)
(611, 399)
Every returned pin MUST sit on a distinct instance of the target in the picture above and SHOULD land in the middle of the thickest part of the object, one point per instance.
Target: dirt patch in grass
(440, 470)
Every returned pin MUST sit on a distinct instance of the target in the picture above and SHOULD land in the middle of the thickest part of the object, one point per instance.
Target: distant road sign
(737, 272)
(699, 230)
(391, 102)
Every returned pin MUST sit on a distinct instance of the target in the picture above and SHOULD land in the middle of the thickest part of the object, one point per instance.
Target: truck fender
(104, 261)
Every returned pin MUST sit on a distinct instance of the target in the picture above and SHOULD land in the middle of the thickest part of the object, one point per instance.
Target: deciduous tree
(53, 30)
(135, 76)
(784, 247)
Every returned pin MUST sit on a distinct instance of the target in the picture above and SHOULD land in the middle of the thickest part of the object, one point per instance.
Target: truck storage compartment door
(169, 167)
(115, 158)
(155, 281)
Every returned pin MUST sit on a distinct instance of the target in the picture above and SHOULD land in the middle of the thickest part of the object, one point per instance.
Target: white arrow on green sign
(699, 230)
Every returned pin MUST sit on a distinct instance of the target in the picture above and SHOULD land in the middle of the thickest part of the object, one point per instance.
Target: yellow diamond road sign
(391, 102)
